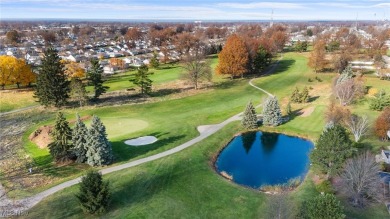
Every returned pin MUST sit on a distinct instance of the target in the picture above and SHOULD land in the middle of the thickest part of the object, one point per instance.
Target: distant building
(386, 156)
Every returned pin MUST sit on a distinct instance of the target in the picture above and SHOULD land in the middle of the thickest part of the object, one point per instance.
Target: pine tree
(94, 193)
(295, 96)
(249, 120)
(154, 62)
(332, 149)
(95, 78)
(52, 86)
(272, 115)
(79, 139)
(262, 60)
(141, 79)
(61, 148)
(99, 148)
(78, 91)
(322, 207)
(304, 96)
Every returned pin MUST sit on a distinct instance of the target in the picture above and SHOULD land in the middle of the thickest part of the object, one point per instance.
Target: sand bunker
(144, 140)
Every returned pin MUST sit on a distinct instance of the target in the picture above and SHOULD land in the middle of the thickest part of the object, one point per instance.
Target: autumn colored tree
(317, 56)
(15, 71)
(233, 59)
(117, 63)
(382, 125)
(12, 36)
(73, 69)
(185, 41)
(133, 34)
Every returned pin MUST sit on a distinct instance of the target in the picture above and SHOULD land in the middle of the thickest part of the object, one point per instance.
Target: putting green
(120, 126)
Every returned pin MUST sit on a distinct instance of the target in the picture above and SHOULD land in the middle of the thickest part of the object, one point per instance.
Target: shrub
(380, 101)
(322, 207)
(325, 187)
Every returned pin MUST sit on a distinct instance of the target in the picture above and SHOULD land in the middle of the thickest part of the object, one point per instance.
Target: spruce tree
(272, 115)
(94, 193)
(61, 147)
(52, 86)
(249, 120)
(99, 148)
(262, 60)
(332, 149)
(141, 79)
(95, 79)
(79, 139)
(345, 75)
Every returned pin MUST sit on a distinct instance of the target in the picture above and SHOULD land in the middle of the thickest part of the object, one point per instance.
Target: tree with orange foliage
(234, 58)
(317, 56)
(382, 125)
(117, 63)
(73, 69)
(133, 34)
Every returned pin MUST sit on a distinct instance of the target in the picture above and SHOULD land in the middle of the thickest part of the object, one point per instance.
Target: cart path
(19, 206)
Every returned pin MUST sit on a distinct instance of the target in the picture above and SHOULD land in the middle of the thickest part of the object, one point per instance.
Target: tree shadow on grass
(284, 65)
(312, 99)
(125, 152)
(225, 84)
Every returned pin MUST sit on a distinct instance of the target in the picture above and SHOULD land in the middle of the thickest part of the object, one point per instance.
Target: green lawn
(165, 73)
(185, 185)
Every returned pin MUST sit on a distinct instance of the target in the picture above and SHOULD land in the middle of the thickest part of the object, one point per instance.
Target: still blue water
(256, 159)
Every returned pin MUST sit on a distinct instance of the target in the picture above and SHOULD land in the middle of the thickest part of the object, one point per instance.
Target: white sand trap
(203, 128)
(144, 140)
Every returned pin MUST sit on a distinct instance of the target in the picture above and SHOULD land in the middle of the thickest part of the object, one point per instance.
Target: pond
(257, 159)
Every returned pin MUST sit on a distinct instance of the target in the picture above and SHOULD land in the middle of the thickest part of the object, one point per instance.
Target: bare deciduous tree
(279, 206)
(347, 91)
(360, 180)
(357, 125)
(197, 69)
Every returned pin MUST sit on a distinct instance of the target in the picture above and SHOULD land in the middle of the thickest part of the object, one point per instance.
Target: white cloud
(256, 5)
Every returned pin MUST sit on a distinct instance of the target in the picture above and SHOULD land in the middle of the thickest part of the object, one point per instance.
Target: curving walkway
(22, 205)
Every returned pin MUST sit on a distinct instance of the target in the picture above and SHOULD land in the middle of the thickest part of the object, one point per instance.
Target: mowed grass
(11, 100)
(165, 73)
(185, 185)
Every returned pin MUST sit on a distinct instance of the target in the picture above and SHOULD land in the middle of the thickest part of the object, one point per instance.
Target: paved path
(27, 203)
(19, 110)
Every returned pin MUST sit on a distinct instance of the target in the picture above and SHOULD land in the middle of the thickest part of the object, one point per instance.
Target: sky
(197, 10)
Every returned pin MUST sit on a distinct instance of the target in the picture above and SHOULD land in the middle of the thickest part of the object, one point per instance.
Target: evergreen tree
(95, 78)
(295, 96)
(262, 60)
(154, 62)
(322, 207)
(304, 96)
(78, 91)
(61, 148)
(52, 86)
(94, 193)
(345, 75)
(79, 139)
(332, 149)
(249, 120)
(141, 79)
(272, 115)
(99, 148)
